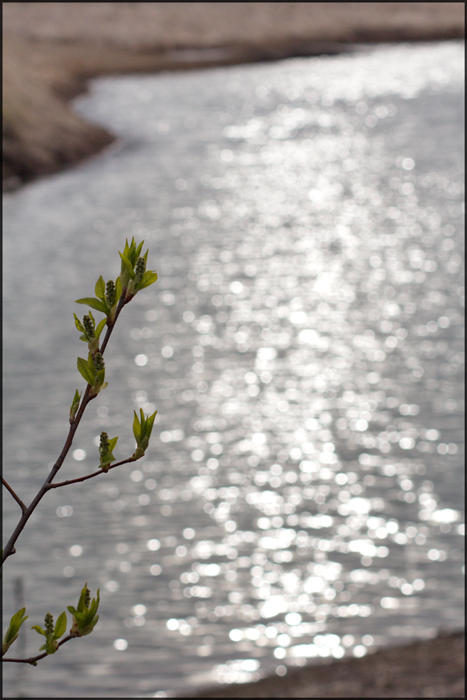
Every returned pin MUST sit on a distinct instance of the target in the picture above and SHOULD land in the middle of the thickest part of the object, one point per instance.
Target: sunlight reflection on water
(304, 353)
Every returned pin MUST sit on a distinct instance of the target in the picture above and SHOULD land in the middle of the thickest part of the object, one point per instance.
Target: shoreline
(424, 668)
(50, 55)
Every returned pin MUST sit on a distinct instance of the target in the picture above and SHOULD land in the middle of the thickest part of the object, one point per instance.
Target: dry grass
(163, 26)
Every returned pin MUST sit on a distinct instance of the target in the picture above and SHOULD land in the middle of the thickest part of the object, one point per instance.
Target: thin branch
(90, 476)
(8, 551)
(34, 659)
(15, 496)
(10, 546)
(120, 305)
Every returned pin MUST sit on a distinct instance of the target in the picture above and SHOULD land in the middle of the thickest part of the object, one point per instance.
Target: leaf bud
(49, 623)
(104, 444)
(88, 328)
(99, 362)
(130, 291)
(93, 346)
(141, 448)
(74, 406)
(110, 293)
(140, 269)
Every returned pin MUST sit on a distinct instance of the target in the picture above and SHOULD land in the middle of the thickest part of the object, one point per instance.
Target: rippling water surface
(302, 497)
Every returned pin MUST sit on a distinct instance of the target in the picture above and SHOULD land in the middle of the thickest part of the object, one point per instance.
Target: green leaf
(132, 251)
(83, 369)
(107, 461)
(93, 303)
(81, 617)
(142, 428)
(118, 287)
(78, 324)
(75, 405)
(127, 263)
(91, 365)
(50, 646)
(112, 443)
(18, 619)
(84, 618)
(60, 626)
(149, 424)
(138, 251)
(88, 628)
(99, 328)
(39, 629)
(149, 277)
(82, 598)
(142, 421)
(136, 427)
(108, 458)
(13, 629)
(99, 290)
(95, 603)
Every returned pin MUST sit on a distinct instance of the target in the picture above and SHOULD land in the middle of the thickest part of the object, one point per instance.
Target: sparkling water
(301, 499)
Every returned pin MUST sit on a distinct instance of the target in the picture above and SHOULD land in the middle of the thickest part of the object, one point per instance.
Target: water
(302, 496)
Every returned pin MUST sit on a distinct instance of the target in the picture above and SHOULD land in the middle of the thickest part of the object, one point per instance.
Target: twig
(90, 476)
(129, 284)
(15, 496)
(34, 659)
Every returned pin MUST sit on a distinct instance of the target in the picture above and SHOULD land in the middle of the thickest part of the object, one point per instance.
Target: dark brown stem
(34, 659)
(121, 304)
(15, 496)
(8, 551)
(90, 476)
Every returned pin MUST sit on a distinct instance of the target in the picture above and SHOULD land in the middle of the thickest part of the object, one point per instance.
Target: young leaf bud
(99, 362)
(88, 328)
(130, 291)
(49, 623)
(141, 448)
(74, 406)
(140, 269)
(110, 293)
(104, 444)
(93, 346)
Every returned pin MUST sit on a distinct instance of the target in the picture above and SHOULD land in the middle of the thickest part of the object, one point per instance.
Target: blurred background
(296, 171)
(49, 49)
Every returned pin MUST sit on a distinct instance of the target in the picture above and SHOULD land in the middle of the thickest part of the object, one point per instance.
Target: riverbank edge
(42, 135)
(41, 132)
(424, 668)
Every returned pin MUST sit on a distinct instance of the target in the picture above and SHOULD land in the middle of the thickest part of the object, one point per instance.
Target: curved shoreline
(48, 58)
(428, 668)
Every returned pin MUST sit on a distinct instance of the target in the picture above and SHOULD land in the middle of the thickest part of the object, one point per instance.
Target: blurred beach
(51, 49)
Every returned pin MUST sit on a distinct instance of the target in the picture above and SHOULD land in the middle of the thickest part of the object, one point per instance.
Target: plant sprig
(52, 634)
(12, 632)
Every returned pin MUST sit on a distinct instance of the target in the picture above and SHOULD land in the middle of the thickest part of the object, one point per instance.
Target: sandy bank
(52, 49)
(426, 669)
